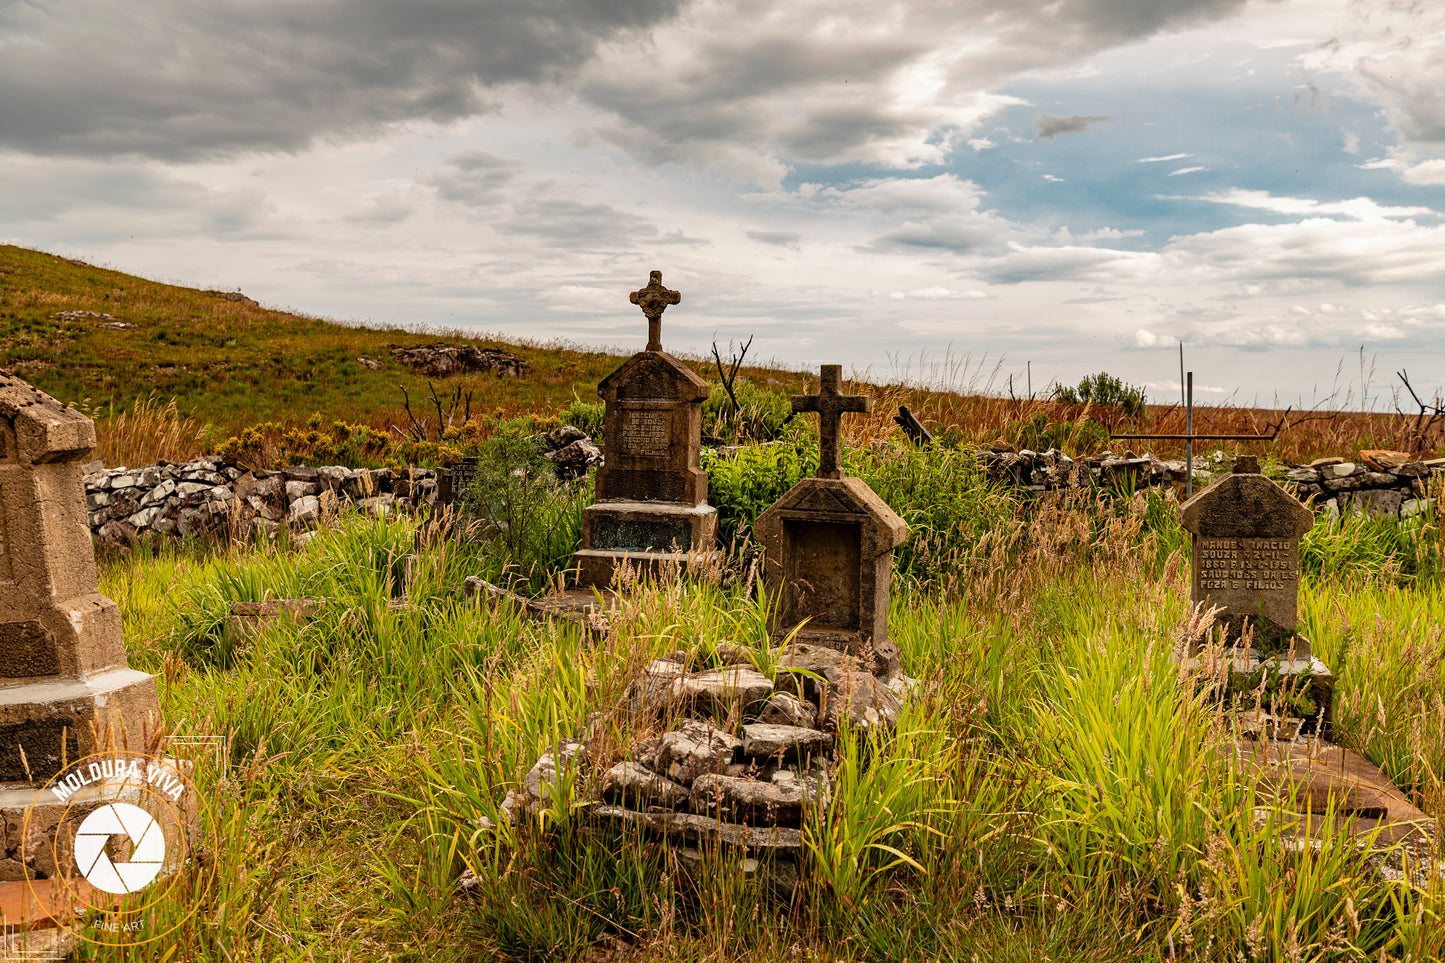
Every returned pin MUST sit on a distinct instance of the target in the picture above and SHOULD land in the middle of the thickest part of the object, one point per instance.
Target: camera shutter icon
(148, 848)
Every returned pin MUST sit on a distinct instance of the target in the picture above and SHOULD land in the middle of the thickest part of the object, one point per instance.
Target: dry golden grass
(150, 430)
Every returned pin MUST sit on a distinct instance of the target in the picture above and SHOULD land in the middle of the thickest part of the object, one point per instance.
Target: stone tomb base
(1298, 677)
(653, 538)
(61, 720)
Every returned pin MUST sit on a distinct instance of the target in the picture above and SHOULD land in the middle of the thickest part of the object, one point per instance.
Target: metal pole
(1181, 372)
(1188, 430)
(1029, 369)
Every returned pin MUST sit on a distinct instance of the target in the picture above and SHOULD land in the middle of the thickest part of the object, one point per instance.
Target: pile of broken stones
(729, 758)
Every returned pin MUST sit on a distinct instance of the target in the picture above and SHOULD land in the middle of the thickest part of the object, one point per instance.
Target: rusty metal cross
(653, 300)
(831, 404)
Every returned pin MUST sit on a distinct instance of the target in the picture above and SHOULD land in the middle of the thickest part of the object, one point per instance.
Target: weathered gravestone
(1246, 532)
(651, 509)
(65, 689)
(1246, 536)
(829, 542)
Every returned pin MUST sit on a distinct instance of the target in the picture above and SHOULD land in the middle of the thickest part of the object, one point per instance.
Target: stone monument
(651, 509)
(65, 689)
(1246, 533)
(1246, 536)
(829, 542)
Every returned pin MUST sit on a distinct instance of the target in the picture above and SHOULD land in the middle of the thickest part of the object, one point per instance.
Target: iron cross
(653, 300)
(831, 404)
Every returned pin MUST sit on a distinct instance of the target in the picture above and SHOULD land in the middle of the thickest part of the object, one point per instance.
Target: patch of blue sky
(1262, 144)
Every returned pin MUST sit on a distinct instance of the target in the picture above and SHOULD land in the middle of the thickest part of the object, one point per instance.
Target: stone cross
(831, 404)
(653, 300)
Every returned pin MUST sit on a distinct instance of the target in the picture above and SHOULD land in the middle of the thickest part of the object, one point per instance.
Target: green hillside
(80, 332)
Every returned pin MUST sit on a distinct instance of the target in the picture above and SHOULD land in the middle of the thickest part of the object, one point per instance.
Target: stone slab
(636, 526)
(1312, 776)
(771, 741)
(52, 721)
(599, 568)
(707, 830)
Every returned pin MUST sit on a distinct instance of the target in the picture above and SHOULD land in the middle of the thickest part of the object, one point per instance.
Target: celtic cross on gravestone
(653, 300)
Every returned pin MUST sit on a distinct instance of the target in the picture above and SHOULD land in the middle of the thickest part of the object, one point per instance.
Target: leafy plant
(761, 414)
(530, 524)
(1106, 392)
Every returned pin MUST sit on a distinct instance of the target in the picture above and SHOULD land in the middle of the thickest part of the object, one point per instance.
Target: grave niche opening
(822, 566)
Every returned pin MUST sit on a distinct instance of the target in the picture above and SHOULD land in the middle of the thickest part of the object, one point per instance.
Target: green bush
(586, 415)
(1105, 391)
(744, 483)
(761, 416)
(529, 523)
(1080, 437)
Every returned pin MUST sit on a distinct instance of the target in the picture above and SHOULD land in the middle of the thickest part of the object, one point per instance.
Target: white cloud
(1166, 157)
(1187, 170)
(936, 293)
(1359, 208)
(1365, 252)
(1395, 53)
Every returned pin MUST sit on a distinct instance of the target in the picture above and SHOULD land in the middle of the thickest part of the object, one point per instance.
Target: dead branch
(730, 376)
(416, 426)
(1430, 414)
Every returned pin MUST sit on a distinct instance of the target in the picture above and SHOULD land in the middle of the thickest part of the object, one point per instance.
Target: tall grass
(145, 433)
(1055, 788)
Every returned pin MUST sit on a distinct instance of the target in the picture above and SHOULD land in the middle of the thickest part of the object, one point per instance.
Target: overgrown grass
(1055, 789)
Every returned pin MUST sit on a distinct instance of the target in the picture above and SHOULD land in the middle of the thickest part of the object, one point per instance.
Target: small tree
(1104, 391)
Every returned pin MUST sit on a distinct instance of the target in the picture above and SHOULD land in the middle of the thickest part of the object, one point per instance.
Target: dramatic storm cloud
(1081, 184)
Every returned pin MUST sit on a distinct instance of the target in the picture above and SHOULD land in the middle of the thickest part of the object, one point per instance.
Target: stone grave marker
(1246, 533)
(65, 688)
(651, 507)
(829, 542)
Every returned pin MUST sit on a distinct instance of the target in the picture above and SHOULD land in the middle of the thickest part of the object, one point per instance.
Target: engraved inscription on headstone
(1253, 564)
(1246, 533)
(645, 431)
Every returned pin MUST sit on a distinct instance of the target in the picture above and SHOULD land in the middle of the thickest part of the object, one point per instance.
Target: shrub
(1104, 391)
(530, 524)
(761, 416)
(1078, 437)
(270, 444)
(586, 415)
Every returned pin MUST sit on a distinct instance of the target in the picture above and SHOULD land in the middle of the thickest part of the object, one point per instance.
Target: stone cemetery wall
(1375, 483)
(207, 495)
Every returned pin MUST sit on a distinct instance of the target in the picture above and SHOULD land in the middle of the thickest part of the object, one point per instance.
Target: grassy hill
(105, 341)
(86, 334)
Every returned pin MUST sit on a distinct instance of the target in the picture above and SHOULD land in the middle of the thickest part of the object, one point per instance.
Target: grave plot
(1246, 534)
(728, 755)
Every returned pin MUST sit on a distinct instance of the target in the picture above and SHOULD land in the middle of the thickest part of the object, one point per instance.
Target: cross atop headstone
(653, 300)
(831, 404)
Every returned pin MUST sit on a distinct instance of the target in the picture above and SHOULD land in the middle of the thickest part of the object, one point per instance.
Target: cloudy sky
(1059, 187)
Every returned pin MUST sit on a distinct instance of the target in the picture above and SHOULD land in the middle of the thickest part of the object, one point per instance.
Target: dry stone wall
(1331, 485)
(207, 495)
